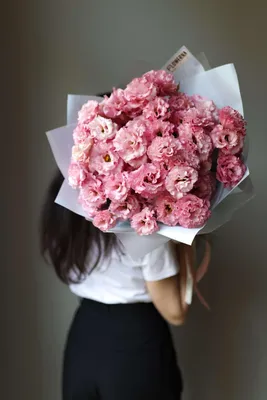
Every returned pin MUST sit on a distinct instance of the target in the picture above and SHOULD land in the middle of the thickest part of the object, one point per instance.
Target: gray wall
(57, 47)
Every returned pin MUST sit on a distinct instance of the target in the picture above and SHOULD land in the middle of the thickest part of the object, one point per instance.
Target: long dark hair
(68, 241)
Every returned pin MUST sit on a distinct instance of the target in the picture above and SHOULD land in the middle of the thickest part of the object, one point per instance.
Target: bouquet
(161, 159)
(152, 154)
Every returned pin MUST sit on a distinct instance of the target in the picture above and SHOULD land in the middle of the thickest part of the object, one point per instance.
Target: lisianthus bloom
(92, 191)
(163, 148)
(188, 156)
(204, 113)
(179, 104)
(102, 128)
(180, 180)
(104, 220)
(232, 120)
(197, 139)
(157, 108)
(205, 166)
(166, 209)
(193, 211)
(205, 186)
(230, 170)
(88, 112)
(81, 151)
(147, 180)
(117, 186)
(137, 162)
(228, 141)
(125, 209)
(138, 93)
(130, 141)
(112, 107)
(164, 82)
(77, 175)
(80, 134)
(144, 222)
(104, 159)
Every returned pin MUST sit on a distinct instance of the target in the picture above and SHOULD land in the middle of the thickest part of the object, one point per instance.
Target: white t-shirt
(120, 279)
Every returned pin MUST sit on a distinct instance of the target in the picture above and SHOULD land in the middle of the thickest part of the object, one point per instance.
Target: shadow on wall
(218, 349)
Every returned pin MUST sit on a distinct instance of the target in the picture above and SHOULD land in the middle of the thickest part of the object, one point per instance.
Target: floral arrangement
(151, 154)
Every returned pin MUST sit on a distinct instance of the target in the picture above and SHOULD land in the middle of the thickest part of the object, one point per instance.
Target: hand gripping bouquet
(156, 161)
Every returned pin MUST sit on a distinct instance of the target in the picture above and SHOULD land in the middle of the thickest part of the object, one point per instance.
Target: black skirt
(120, 352)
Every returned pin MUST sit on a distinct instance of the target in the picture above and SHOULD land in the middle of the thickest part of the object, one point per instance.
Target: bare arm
(168, 295)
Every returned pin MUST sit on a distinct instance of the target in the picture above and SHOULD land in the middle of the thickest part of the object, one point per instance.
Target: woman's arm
(168, 295)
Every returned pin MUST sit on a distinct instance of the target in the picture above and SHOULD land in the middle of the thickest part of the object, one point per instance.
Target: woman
(119, 345)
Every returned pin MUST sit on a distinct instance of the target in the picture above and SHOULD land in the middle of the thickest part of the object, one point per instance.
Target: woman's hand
(186, 277)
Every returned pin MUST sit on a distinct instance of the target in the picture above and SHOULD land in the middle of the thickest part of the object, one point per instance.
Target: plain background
(55, 47)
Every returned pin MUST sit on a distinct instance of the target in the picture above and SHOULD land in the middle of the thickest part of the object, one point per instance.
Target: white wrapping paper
(219, 84)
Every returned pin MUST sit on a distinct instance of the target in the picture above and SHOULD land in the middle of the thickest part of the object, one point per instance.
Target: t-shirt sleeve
(161, 263)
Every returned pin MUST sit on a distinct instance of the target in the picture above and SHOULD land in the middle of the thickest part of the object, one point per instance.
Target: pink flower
(76, 175)
(204, 114)
(163, 148)
(187, 155)
(147, 180)
(144, 222)
(117, 186)
(166, 209)
(230, 170)
(113, 106)
(125, 209)
(102, 128)
(179, 104)
(193, 212)
(228, 141)
(104, 220)
(81, 151)
(130, 141)
(157, 108)
(197, 139)
(203, 104)
(159, 128)
(88, 112)
(199, 118)
(90, 209)
(232, 120)
(205, 186)
(104, 159)
(205, 166)
(137, 162)
(92, 193)
(138, 93)
(181, 180)
(80, 134)
(164, 81)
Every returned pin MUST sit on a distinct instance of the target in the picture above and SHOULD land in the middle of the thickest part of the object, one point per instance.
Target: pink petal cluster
(144, 222)
(230, 170)
(193, 211)
(180, 180)
(163, 148)
(205, 186)
(104, 220)
(151, 154)
(167, 210)
(125, 209)
(147, 180)
(229, 134)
